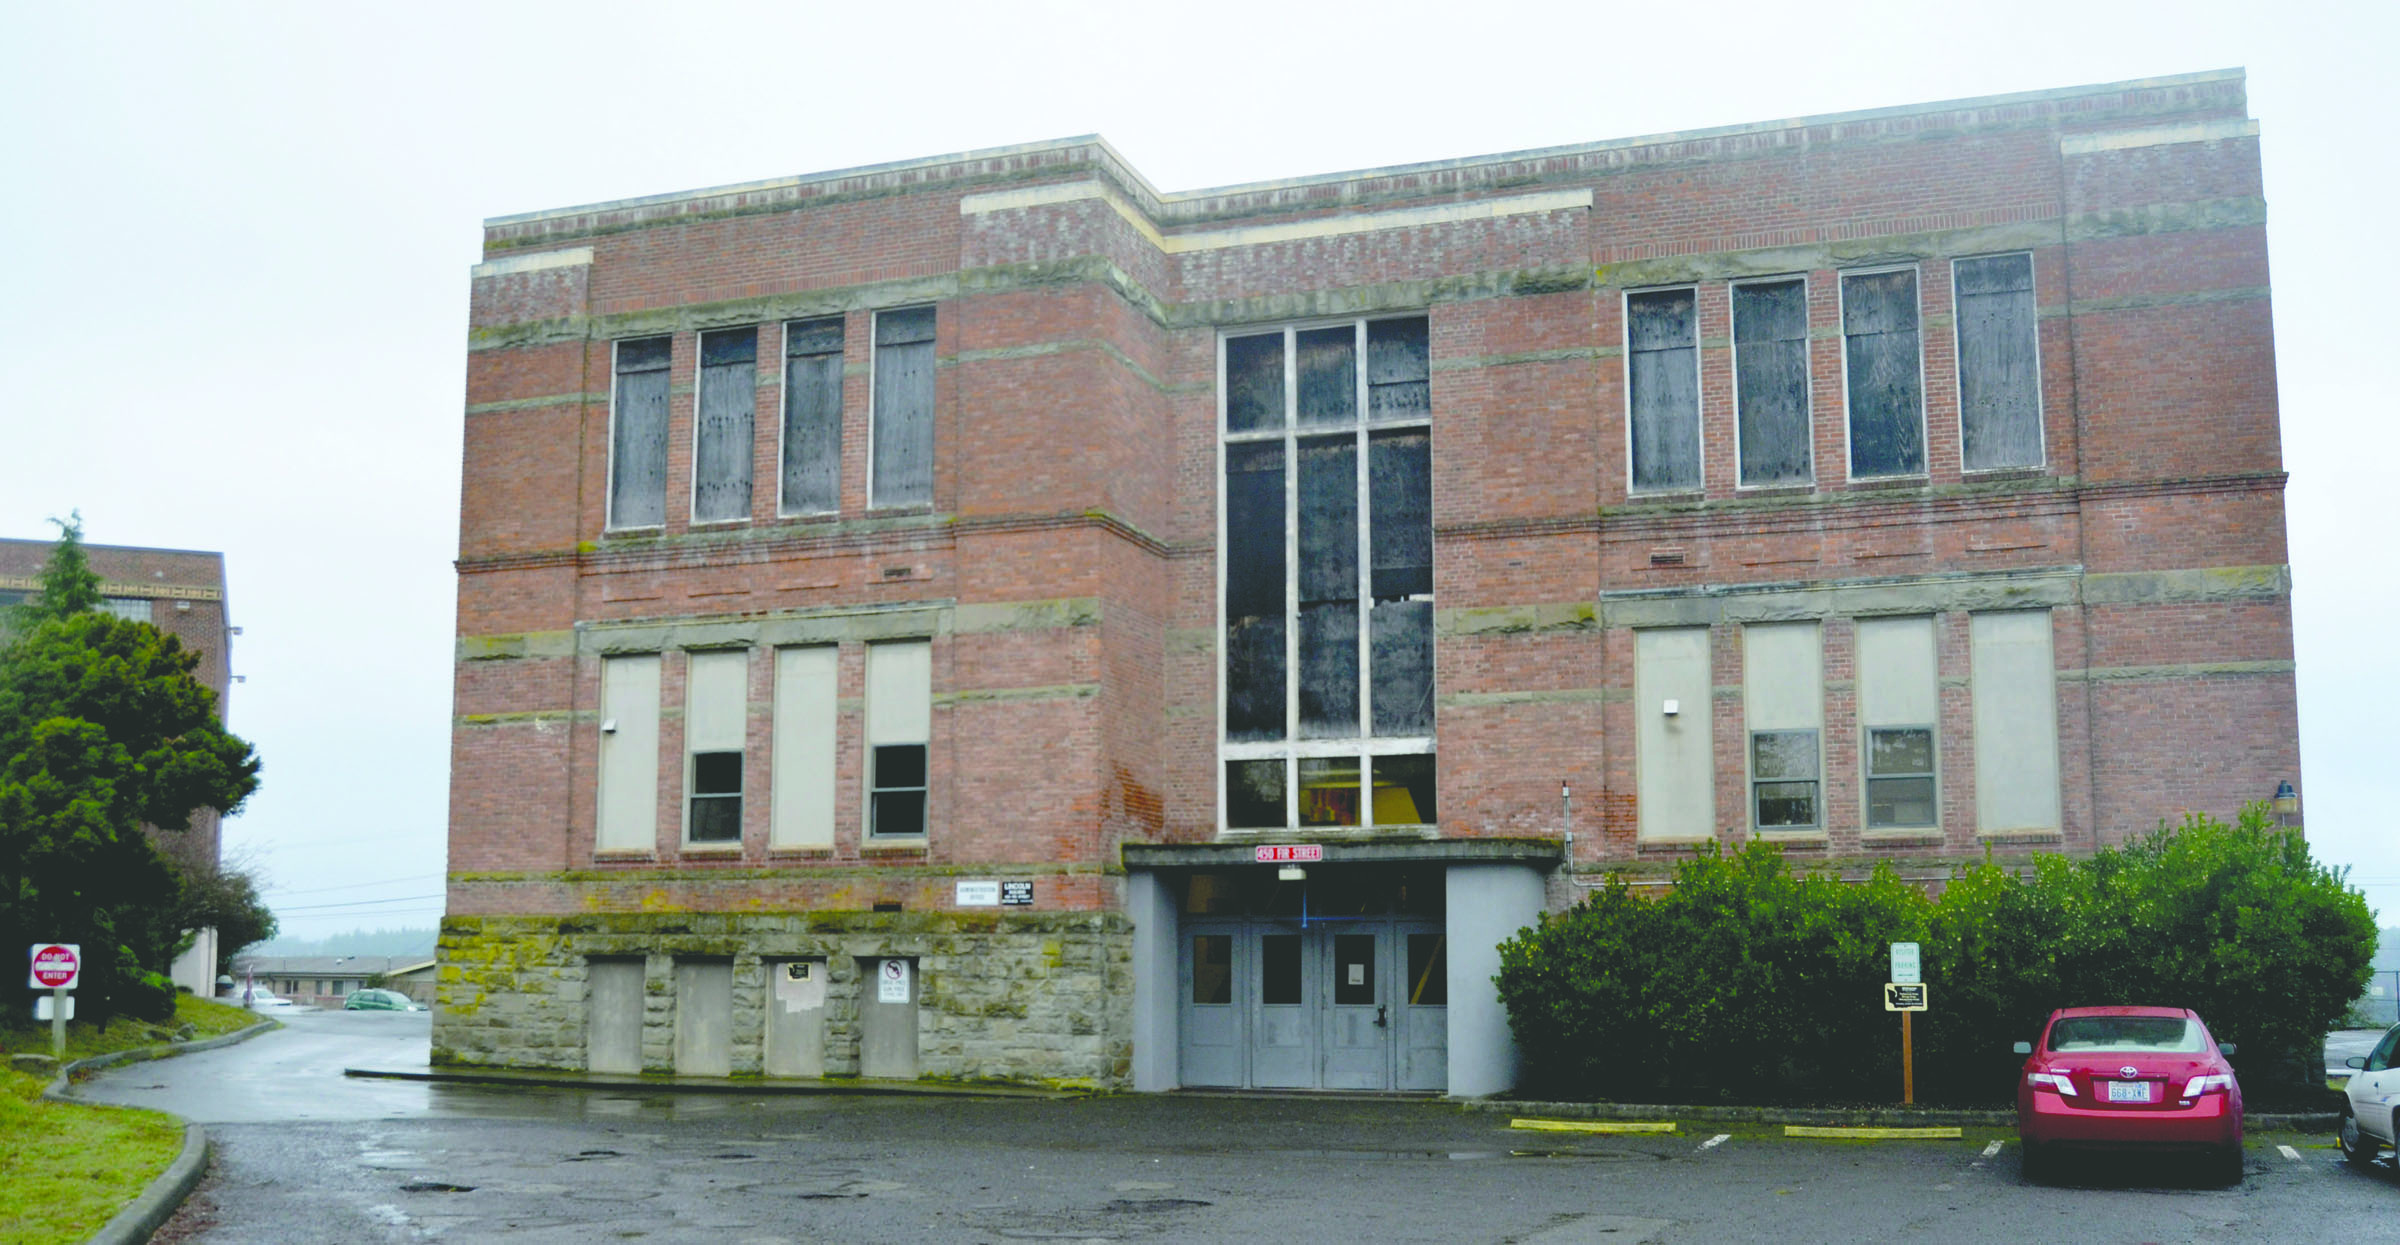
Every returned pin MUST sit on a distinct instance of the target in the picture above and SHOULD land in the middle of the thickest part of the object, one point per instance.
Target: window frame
(1751, 730)
(608, 481)
(2041, 414)
(1808, 373)
(1868, 777)
(691, 756)
(1293, 749)
(1866, 678)
(868, 831)
(1699, 396)
(783, 411)
(699, 393)
(1841, 279)
(875, 350)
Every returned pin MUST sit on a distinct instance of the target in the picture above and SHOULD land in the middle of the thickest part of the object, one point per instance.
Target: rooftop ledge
(1165, 202)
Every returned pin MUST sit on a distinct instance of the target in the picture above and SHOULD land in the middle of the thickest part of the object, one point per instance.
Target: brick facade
(1068, 572)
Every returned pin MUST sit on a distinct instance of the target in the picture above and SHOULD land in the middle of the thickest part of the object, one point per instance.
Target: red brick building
(182, 592)
(906, 614)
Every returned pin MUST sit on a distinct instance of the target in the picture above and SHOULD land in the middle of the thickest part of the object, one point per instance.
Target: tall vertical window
(1898, 711)
(628, 754)
(1328, 642)
(902, 445)
(812, 416)
(637, 453)
(715, 718)
(2016, 722)
(1783, 696)
(1770, 382)
(1999, 363)
(723, 415)
(1883, 373)
(805, 716)
(1662, 373)
(899, 732)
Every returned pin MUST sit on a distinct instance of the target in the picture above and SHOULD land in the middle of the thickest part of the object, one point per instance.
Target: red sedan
(2129, 1078)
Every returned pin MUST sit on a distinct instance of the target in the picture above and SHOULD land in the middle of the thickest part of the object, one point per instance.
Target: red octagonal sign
(56, 965)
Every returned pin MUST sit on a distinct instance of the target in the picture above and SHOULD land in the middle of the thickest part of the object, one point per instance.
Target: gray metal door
(1283, 1018)
(1355, 1018)
(795, 1018)
(887, 1019)
(1210, 1019)
(703, 1018)
(1421, 1007)
(612, 1016)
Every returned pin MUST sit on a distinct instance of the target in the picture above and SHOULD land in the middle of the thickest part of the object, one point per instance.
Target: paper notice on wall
(978, 894)
(1358, 974)
(892, 982)
(800, 985)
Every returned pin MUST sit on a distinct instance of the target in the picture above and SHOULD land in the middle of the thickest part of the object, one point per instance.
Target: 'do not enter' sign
(56, 965)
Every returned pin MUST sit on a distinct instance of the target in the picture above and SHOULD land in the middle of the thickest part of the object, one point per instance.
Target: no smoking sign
(56, 965)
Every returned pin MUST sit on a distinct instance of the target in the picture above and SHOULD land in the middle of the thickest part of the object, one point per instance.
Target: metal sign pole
(1908, 1062)
(58, 1023)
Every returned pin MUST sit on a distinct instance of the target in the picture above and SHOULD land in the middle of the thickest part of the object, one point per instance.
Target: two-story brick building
(984, 617)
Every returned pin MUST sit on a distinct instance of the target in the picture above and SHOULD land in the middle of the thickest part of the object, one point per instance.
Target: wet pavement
(304, 1154)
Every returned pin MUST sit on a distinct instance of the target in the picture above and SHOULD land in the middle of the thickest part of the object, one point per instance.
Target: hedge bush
(1749, 980)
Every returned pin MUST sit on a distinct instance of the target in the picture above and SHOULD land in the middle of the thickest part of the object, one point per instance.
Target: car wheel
(2229, 1165)
(2037, 1163)
(2357, 1148)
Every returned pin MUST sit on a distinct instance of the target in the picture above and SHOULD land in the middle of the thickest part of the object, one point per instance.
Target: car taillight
(2054, 1081)
(2214, 1083)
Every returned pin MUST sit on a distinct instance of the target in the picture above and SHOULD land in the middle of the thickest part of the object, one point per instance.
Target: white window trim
(1751, 732)
(699, 386)
(1699, 396)
(867, 788)
(1733, 349)
(608, 481)
(1291, 747)
(875, 352)
(1866, 727)
(783, 378)
(734, 845)
(2041, 413)
(1841, 330)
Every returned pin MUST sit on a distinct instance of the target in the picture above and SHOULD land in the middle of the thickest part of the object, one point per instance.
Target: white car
(2366, 1127)
(261, 999)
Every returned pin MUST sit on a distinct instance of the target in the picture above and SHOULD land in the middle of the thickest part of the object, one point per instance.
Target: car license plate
(2129, 1091)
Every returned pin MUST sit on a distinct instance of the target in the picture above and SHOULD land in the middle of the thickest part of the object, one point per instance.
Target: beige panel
(1783, 677)
(899, 693)
(802, 787)
(1673, 752)
(628, 754)
(1896, 672)
(2016, 722)
(716, 701)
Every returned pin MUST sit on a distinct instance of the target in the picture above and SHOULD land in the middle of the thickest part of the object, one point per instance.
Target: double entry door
(1343, 1004)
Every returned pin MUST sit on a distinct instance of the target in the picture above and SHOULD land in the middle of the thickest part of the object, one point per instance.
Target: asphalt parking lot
(304, 1154)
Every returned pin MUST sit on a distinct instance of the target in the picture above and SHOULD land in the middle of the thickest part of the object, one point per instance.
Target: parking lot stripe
(1992, 1149)
(1872, 1134)
(1595, 1126)
(1718, 1140)
(2290, 1153)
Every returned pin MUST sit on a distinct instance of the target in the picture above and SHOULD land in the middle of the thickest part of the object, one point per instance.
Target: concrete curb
(1843, 1117)
(706, 1085)
(163, 1196)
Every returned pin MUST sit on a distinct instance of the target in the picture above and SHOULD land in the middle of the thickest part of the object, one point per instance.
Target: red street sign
(56, 965)
(1290, 853)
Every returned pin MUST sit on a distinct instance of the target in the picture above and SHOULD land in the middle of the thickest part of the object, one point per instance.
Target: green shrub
(1746, 979)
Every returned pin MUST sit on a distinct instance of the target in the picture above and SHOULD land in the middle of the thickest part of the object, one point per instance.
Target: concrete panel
(629, 754)
(804, 749)
(1674, 752)
(2016, 723)
(1487, 904)
(887, 1018)
(1150, 905)
(795, 1018)
(612, 1016)
(703, 1018)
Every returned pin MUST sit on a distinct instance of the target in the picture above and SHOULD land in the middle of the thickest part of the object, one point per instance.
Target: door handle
(1379, 1021)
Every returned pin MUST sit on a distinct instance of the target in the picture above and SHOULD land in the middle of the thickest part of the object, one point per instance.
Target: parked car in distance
(373, 1000)
(2366, 1127)
(2129, 1078)
(261, 999)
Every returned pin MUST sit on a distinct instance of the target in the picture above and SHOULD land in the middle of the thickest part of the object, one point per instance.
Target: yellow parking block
(1872, 1134)
(1595, 1126)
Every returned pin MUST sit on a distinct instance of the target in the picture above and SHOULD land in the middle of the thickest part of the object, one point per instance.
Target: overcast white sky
(233, 302)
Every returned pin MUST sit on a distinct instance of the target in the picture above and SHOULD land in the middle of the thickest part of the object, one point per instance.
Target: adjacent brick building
(984, 617)
(182, 592)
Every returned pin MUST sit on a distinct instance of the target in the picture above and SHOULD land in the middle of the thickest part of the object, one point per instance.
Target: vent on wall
(1666, 557)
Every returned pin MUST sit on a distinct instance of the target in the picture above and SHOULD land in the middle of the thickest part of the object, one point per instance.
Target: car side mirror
(2357, 1061)
(2228, 1048)
(2023, 1048)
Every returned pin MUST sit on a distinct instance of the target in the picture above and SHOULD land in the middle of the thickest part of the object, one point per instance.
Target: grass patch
(207, 1018)
(71, 1167)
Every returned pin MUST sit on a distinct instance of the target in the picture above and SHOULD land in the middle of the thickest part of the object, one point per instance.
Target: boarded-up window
(1770, 382)
(721, 437)
(637, 459)
(903, 440)
(1783, 700)
(812, 416)
(1884, 376)
(1662, 371)
(1999, 369)
(802, 784)
(2016, 722)
(1328, 573)
(628, 754)
(1898, 717)
(1676, 785)
(899, 733)
(716, 716)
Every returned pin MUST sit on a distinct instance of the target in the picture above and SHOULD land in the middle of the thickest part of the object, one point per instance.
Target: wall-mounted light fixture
(1291, 873)
(1671, 708)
